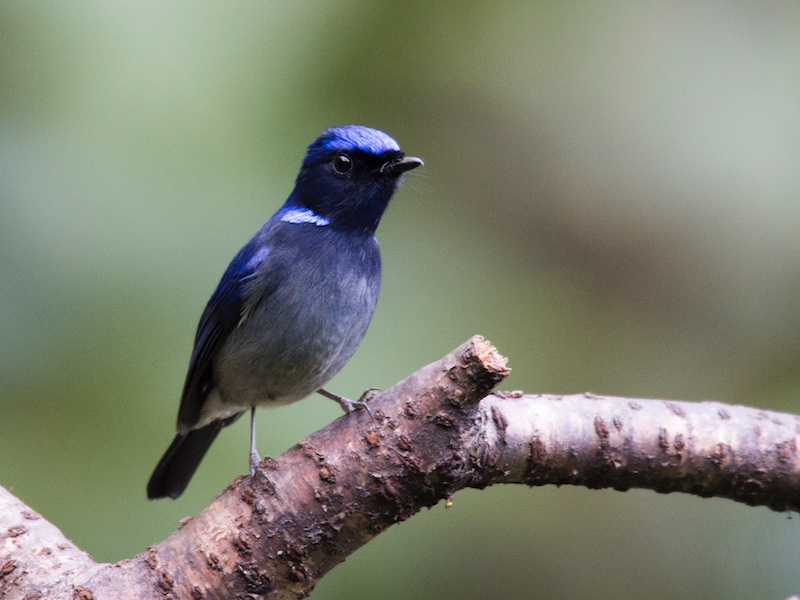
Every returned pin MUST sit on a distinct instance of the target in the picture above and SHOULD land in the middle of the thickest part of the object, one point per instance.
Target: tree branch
(701, 448)
(432, 434)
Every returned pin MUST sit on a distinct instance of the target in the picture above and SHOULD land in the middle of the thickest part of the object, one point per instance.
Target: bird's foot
(256, 465)
(368, 394)
(348, 405)
(256, 468)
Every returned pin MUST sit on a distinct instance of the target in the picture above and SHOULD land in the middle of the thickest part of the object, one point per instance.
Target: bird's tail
(180, 461)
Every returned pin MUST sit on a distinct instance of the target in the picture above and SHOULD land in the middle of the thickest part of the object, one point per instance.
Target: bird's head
(348, 176)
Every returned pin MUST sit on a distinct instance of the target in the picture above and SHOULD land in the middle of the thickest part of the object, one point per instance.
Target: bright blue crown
(355, 137)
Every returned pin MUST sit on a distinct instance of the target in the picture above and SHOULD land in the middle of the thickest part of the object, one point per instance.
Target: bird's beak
(401, 164)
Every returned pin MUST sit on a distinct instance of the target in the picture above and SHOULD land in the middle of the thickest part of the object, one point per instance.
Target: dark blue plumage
(295, 301)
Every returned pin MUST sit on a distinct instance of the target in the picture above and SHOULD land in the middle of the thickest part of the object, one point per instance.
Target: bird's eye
(342, 164)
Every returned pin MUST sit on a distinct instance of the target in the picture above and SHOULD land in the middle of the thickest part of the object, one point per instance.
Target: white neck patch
(303, 215)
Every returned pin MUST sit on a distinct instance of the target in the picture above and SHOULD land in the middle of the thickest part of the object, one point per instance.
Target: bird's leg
(255, 459)
(349, 405)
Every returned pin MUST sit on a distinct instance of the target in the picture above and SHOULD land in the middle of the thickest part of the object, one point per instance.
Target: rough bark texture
(432, 434)
(701, 448)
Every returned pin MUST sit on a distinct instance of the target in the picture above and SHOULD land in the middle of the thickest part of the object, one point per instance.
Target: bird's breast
(302, 333)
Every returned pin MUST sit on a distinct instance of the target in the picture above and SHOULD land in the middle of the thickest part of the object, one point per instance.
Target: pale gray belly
(290, 346)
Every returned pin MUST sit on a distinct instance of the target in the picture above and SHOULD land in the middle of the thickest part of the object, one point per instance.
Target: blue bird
(295, 301)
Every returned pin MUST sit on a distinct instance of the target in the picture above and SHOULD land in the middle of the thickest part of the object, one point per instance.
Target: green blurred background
(611, 195)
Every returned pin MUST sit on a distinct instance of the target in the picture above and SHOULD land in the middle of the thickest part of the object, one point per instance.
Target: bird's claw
(369, 394)
(256, 468)
(348, 405)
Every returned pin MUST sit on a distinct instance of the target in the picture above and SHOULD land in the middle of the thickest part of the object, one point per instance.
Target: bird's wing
(247, 280)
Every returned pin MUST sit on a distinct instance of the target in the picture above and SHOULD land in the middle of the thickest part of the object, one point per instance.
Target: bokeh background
(611, 195)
